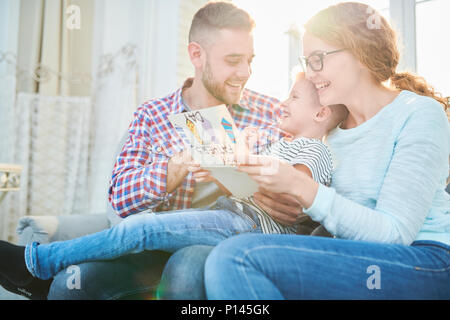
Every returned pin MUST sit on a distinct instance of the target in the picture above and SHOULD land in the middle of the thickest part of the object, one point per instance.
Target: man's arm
(142, 178)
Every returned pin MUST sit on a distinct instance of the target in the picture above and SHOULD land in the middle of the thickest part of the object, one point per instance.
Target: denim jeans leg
(303, 267)
(183, 275)
(134, 276)
(168, 231)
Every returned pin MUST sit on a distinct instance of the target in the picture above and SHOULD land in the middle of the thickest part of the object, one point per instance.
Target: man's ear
(323, 114)
(196, 53)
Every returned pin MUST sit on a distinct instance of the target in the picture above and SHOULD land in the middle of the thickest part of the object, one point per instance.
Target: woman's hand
(272, 174)
(282, 207)
(277, 177)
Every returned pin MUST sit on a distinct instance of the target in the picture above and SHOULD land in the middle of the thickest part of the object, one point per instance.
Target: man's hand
(283, 208)
(177, 169)
(203, 175)
(199, 174)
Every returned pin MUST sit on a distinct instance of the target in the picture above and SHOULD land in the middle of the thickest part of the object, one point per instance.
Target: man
(151, 175)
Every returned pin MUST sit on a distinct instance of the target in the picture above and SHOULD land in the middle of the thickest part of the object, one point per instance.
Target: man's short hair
(215, 16)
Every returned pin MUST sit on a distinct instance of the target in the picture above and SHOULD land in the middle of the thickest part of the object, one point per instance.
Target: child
(308, 122)
(304, 118)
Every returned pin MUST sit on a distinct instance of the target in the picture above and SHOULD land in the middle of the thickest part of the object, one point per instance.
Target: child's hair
(347, 25)
(215, 16)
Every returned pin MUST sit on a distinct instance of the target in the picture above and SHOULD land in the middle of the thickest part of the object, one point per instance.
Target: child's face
(299, 109)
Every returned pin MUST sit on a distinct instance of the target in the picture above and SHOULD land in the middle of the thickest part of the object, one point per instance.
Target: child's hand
(270, 172)
(245, 145)
(250, 135)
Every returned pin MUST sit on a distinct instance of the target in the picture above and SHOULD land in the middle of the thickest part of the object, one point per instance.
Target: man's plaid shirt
(139, 176)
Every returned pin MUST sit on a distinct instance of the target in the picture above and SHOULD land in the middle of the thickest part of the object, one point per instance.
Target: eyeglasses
(315, 60)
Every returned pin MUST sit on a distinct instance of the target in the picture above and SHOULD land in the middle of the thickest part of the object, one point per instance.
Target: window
(433, 47)
(271, 66)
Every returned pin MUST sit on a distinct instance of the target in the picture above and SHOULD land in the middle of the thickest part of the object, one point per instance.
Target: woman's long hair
(361, 30)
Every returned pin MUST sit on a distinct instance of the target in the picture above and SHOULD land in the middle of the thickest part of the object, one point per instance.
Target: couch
(45, 229)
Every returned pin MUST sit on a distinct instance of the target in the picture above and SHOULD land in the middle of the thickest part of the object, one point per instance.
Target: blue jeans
(167, 231)
(271, 267)
(134, 276)
(183, 275)
(142, 276)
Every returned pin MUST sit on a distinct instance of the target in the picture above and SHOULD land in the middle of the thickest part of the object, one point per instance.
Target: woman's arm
(415, 172)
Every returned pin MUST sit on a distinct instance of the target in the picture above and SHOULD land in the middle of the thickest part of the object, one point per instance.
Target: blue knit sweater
(390, 176)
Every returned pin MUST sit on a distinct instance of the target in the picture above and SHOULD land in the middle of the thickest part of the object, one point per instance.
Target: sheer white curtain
(46, 127)
(52, 140)
(9, 13)
(9, 28)
(68, 95)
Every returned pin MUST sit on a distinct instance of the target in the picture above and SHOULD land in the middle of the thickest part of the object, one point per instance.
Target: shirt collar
(179, 105)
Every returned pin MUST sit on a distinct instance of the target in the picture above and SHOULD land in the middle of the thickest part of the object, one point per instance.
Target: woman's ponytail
(417, 84)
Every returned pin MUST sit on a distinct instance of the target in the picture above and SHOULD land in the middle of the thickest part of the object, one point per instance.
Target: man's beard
(216, 89)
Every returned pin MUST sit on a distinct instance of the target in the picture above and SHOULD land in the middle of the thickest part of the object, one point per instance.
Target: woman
(387, 206)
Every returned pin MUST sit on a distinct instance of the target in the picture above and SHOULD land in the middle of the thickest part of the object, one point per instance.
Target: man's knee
(183, 275)
(135, 275)
(75, 283)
